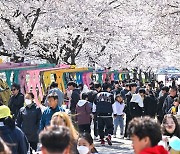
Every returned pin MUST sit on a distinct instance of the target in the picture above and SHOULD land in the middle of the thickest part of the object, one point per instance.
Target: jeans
(118, 120)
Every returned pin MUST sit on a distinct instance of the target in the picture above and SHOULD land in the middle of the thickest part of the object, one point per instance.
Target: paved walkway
(120, 146)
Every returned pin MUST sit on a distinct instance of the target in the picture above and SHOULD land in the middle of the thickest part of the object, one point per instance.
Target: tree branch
(24, 42)
(103, 48)
(134, 57)
(112, 2)
(175, 6)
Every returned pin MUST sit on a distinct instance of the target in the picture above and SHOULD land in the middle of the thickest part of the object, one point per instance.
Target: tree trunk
(146, 77)
(135, 74)
(140, 75)
(128, 76)
(73, 58)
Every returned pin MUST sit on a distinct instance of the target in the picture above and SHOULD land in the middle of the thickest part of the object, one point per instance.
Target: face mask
(28, 101)
(82, 149)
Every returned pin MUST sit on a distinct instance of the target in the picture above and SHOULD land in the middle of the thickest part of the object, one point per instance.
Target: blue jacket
(15, 138)
(123, 93)
(46, 116)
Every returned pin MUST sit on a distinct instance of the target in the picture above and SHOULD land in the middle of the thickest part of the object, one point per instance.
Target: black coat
(168, 103)
(75, 97)
(150, 105)
(135, 110)
(15, 138)
(123, 93)
(15, 103)
(92, 95)
(160, 105)
(28, 120)
(127, 105)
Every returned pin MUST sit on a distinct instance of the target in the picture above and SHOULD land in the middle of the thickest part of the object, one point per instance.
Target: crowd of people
(148, 114)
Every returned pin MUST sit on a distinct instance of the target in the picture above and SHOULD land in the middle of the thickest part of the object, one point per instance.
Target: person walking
(28, 120)
(53, 107)
(118, 114)
(136, 104)
(55, 140)
(161, 100)
(132, 88)
(169, 100)
(75, 97)
(63, 119)
(11, 134)
(54, 88)
(125, 91)
(93, 95)
(145, 134)
(17, 99)
(150, 105)
(103, 102)
(83, 114)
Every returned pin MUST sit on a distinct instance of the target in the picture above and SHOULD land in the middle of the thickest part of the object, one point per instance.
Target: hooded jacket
(154, 150)
(15, 138)
(28, 120)
(136, 105)
(83, 111)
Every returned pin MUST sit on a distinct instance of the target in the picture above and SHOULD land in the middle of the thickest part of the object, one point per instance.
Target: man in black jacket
(11, 134)
(169, 100)
(75, 97)
(17, 99)
(125, 91)
(91, 98)
(28, 120)
(132, 87)
(161, 100)
(103, 102)
(150, 105)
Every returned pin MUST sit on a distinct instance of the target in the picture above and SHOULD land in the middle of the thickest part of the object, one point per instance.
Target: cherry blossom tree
(141, 34)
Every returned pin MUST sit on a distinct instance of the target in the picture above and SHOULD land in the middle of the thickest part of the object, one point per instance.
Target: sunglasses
(13, 89)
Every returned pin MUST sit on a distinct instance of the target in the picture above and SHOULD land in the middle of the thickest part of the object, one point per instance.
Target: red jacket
(154, 150)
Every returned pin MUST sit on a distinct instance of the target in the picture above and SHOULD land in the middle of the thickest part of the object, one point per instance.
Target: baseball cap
(5, 112)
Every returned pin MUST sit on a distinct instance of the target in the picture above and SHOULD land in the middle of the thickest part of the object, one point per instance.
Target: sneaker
(108, 138)
(102, 142)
